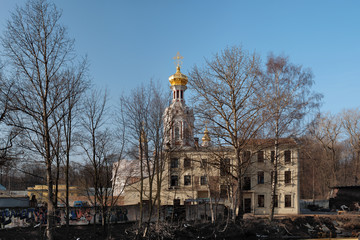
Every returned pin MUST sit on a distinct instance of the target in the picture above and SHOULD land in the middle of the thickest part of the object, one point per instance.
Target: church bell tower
(178, 118)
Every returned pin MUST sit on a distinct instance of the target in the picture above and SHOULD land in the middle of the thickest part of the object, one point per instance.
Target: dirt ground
(295, 227)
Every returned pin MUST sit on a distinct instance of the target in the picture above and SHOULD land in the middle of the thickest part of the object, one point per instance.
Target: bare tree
(351, 124)
(94, 140)
(326, 129)
(143, 110)
(226, 96)
(37, 47)
(289, 97)
(8, 133)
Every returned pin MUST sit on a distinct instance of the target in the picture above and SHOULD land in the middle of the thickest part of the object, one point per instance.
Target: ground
(295, 227)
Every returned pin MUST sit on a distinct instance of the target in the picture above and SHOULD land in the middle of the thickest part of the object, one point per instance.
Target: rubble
(250, 228)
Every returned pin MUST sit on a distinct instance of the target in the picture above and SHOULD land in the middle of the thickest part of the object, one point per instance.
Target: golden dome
(206, 137)
(178, 78)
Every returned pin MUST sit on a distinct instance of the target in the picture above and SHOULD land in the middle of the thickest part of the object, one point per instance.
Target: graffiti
(38, 216)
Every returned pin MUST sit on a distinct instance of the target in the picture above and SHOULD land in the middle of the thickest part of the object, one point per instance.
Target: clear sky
(129, 42)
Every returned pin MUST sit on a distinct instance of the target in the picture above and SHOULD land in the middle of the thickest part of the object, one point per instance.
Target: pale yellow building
(41, 193)
(201, 172)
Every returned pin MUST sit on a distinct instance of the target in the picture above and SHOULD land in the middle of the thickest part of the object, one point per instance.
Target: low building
(40, 193)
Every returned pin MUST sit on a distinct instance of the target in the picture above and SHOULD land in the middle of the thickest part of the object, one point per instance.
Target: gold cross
(206, 123)
(178, 59)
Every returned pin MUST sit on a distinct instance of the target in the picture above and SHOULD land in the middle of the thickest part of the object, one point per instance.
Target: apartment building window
(223, 191)
(273, 177)
(272, 156)
(287, 177)
(287, 200)
(187, 163)
(224, 167)
(203, 180)
(260, 156)
(247, 155)
(287, 155)
(276, 201)
(261, 200)
(174, 181)
(174, 163)
(187, 180)
(247, 183)
(260, 177)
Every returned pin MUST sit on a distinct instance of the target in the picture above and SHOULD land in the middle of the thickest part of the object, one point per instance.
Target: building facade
(199, 172)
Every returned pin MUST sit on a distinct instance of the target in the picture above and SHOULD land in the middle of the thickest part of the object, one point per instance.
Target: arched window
(177, 133)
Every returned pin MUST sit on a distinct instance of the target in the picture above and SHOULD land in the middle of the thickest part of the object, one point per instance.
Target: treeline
(330, 153)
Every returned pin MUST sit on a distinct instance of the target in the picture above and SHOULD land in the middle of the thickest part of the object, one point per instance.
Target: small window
(182, 94)
(223, 191)
(287, 177)
(276, 201)
(273, 175)
(287, 200)
(177, 133)
(187, 180)
(287, 156)
(203, 180)
(246, 155)
(261, 200)
(174, 163)
(204, 163)
(187, 163)
(174, 182)
(261, 177)
(272, 156)
(260, 156)
(247, 183)
(224, 167)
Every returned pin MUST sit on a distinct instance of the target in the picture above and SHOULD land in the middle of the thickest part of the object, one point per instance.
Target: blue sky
(131, 42)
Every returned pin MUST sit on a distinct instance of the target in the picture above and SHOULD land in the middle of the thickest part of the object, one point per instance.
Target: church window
(182, 94)
(174, 163)
(174, 95)
(247, 155)
(177, 133)
(177, 94)
(187, 163)
(224, 167)
(204, 163)
(174, 182)
(187, 180)
(260, 156)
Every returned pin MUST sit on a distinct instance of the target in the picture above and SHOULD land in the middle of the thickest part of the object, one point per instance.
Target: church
(197, 172)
